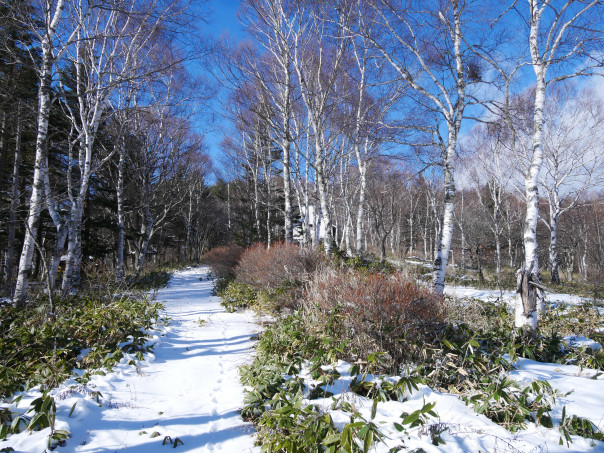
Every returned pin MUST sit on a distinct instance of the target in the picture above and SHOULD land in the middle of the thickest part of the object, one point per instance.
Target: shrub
(222, 260)
(236, 296)
(38, 349)
(153, 279)
(377, 311)
(281, 263)
(365, 263)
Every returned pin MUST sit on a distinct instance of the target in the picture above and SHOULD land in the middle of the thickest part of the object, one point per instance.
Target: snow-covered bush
(36, 348)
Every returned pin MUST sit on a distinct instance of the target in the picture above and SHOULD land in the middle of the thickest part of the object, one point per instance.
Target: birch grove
(444, 135)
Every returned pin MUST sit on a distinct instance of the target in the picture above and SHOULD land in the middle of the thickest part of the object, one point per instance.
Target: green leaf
(363, 431)
(15, 425)
(448, 344)
(346, 441)
(368, 441)
(332, 439)
(414, 416)
(60, 434)
(374, 409)
(39, 421)
(399, 427)
(428, 407)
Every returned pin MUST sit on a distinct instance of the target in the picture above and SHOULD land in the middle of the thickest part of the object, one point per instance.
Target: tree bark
(286, 145)
(36, 198)
(325, 212)
(525, 317)
(361, 207)
(444, 246)
(14, 203)
(553, 246)
(121, 217)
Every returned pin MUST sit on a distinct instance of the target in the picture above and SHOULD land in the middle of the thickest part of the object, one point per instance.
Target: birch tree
(319, 51)
(369, 104)
(560, 36)
(115, 45)
(53, 38)
(427, 47)
(572, 157)
(266, 22)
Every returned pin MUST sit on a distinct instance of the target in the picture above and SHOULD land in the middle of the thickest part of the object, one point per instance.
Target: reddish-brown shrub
(377, 311)
(270, 268)
(222, 260)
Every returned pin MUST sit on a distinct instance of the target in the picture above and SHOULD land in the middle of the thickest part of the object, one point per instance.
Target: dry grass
(222, 260)
(281, 264)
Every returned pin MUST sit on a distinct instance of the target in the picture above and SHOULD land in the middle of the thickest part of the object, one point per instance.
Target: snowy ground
(510, 296)
(464, 429)
(187, 389)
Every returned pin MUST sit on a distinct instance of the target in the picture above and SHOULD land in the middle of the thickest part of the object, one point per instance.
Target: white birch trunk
(287, 190)
(444, 246)
(36, 198)
(188, 223)
(146, 233)
(121, 217)
(14, 202)
(553, 251)
(325, 212)
(256, 207)
(230, 231)
(554, 219)
(531, 260)
(361, 208)
(411, 240)
(71, 278)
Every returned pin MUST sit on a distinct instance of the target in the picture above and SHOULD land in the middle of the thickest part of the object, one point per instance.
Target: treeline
(403, 219)
(447, 131)
(101, 167)
(444, 129)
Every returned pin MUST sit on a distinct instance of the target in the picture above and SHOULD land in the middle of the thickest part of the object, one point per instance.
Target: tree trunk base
(530, 298)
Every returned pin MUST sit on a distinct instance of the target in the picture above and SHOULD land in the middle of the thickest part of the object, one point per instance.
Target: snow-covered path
(187, 389)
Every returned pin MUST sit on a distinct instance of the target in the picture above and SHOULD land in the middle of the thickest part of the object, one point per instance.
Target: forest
(360, 160)
(348, 125)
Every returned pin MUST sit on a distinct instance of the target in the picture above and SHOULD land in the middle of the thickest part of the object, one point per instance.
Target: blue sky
(223, 19)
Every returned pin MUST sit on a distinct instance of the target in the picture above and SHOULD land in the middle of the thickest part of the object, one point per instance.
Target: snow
(585, 388)
(467, 430)
(188, 388)
(579, 341)
(510, 296)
